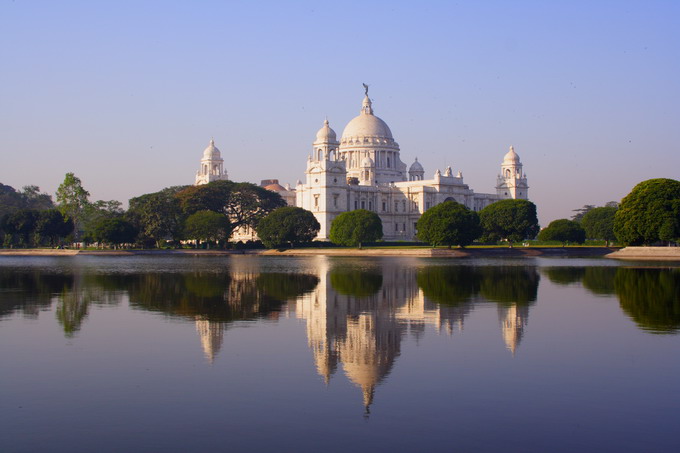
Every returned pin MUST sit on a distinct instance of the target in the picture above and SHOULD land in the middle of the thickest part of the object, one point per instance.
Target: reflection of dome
(211, 152)
(325, 134)
(511, 157)
(367, 125)
(416, 167)
(212, 335)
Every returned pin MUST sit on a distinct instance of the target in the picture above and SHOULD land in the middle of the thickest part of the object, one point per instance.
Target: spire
(366, 106)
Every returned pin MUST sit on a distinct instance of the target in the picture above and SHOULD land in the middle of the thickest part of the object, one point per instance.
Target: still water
(242, 353)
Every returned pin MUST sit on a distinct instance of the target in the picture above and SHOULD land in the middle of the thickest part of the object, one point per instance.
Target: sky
(127, 94)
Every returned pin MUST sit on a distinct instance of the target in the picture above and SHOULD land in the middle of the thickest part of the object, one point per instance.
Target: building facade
(364, 170)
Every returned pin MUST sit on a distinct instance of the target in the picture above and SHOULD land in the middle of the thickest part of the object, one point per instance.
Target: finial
(325, 122)
(512, 148)
(365, 88)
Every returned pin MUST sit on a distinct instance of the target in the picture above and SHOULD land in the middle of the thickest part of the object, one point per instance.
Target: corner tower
(212, 166)
(512, 182)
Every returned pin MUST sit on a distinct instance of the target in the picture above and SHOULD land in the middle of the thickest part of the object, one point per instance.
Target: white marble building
(363, 170)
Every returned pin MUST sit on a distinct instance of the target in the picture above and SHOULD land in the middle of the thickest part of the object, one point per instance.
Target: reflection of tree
(73, 303)
(509, 284)
(220, 297)
(29, 292)
(356, 282)
(450, 285)
(651, 297)
(563, 275)
(599, 280)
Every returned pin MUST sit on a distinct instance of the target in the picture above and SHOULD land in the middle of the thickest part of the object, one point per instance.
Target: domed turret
(211, 152)
(511, 156)
(212, 166)
(367, 162)
(325, 134)
(416, 172)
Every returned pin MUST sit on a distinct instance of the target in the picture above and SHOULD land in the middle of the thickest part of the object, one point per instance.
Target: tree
(21, 225)
(649, 213)
(599, 223)
(33, 199)
(157, 216)
(207, 226)
(356, 227)
(51, 226)
(564, 231)
(114, 231)
(72, 199)
(243, 203)
(581, 212)
(287, 225)
(510, 220)
(448, 223)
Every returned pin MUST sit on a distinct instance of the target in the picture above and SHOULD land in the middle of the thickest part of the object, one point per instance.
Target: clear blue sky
(127, 94)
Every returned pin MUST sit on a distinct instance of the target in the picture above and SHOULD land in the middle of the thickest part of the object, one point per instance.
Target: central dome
(367, 125)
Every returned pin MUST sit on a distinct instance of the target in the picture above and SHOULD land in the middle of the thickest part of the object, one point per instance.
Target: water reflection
(357, 312)
(649, 296)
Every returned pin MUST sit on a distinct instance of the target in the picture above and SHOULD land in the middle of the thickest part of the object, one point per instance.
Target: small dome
(511, 157)
(416, 167)
(211, 152)
(326, 134)
(367, 162)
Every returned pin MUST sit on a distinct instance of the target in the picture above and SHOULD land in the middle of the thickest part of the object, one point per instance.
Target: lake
(251, 353)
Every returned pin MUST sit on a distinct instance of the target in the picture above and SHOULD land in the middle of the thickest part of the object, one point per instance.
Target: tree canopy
(649, 213)
(72, 199)
(243, 203)
(448, 223)
(157, 216)
(287, 225)
(564, 231)
(207, 226)
(599, 223)
(356, 227)
(114, 231)
(510, 220)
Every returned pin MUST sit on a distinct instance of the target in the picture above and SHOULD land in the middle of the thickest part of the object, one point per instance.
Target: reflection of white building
(363, 334)
(212, 336)
(513, 319)
(363, 170)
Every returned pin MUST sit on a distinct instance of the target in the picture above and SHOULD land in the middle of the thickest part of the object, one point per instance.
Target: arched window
(507, 173)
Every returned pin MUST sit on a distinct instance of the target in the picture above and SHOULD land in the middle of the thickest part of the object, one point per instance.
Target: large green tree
(73, 199)
(52, 226)
(287, 225)
(113, 230)
(448, 223)
(599, 223)
(20, 226)
(207, 226)
(564, 231)
(157, 216)
(356, 227)
(509, 220)
(649, 213)
(243, 203)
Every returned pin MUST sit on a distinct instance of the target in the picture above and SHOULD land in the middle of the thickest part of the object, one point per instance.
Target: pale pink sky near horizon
(127, 94)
